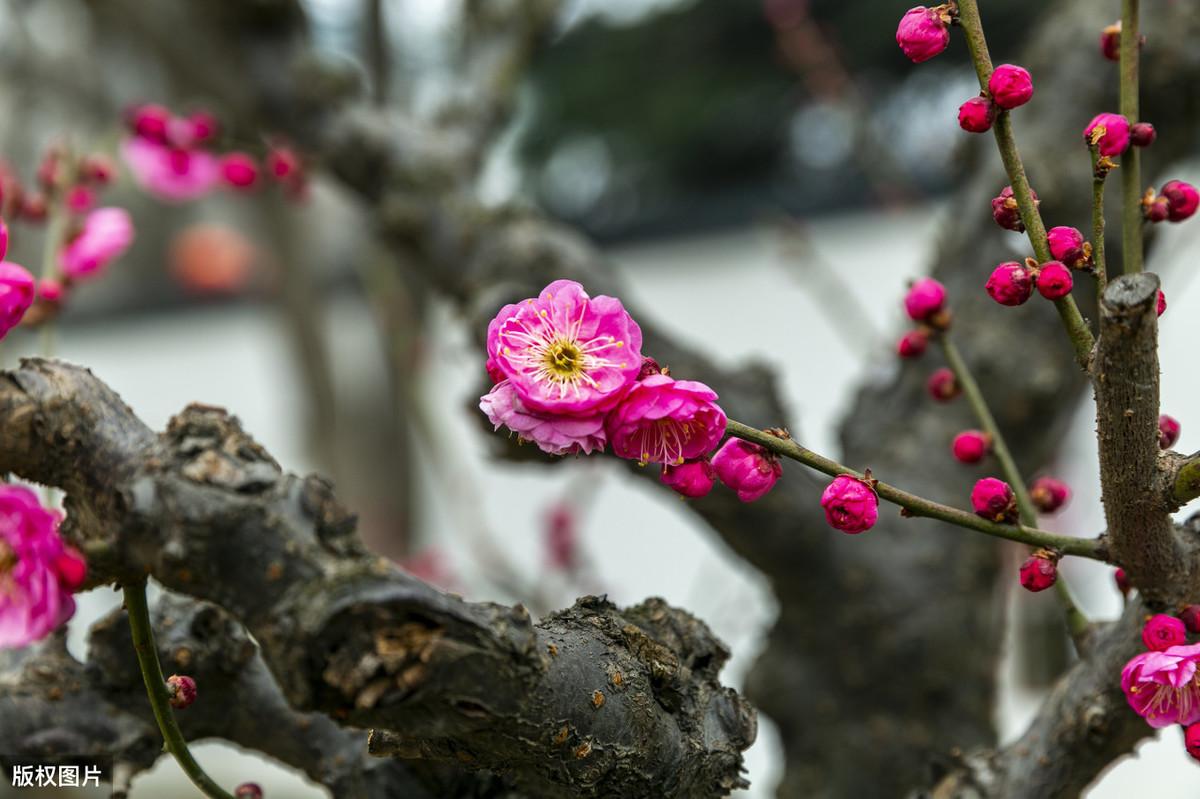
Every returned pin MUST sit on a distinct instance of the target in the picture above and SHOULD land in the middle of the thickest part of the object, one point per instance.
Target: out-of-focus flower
(106, 234)
(171, 173)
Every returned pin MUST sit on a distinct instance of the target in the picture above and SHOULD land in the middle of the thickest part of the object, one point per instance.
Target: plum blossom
(16, 295)
(175, 174)
(664, 420)
(850, 504)
(565, 352)
(106, 234)
(553, 434)
(749, 469)
(690, 478)
(1162, 687)
(38, 571)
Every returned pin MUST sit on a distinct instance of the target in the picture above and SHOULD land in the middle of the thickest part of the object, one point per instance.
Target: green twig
(919, 506)
(156, 689)
(1098, 177)
(1077, 329)
(1131, 172)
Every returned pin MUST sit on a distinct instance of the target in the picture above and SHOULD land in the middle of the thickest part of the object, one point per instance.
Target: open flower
(37, 571)
(106, 234)
(565, 352)
(553, 434)
(171, 173)
(1162, 687)
(663, 420)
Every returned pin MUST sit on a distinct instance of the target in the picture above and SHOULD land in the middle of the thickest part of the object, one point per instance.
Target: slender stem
(55, 228)
(1131, 172)
(1098, 177)
(919, 506)
(1077, 329)
(156, 689)
(1076, 621)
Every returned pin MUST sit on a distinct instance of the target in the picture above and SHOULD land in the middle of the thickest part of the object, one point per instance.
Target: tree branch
(591, 701)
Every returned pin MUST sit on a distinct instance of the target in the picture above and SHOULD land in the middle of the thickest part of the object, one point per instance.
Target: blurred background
(777, 164)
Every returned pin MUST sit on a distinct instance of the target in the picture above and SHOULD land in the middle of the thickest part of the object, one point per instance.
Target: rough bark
(591, 701)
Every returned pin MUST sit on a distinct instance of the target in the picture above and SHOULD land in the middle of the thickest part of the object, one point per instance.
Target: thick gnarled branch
(592, 701)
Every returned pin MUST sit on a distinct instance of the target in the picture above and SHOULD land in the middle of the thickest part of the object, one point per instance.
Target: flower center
(563, 360)
(8, 559)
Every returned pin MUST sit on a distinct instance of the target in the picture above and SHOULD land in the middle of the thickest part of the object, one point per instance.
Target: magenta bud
(993, 499)
(1066, 245)
(1191, 740)
(1109, 133)
(1168, 431)
(1006, 211)
(1142, 134)
(977, 115)
(1122, 581)
(51, 290)
(204, 126)
(150, 121)
(851, 504)
(1039, 571)
(1156, 209)
(690, 478)
(1182, 199)
(747, 468)
(1048, 494)
(923, 33)
(239, 170)
(1190, 616)
(248, 790)
(1010, 284)
(1054, 280)
(17, 292)
(1162, 302)
(1010, 86)
(181, 691)
(1162, 632)
(1110, 41)
(943, 385)
(649, 367)
(925, 298)
(971, 446)
(912, 344)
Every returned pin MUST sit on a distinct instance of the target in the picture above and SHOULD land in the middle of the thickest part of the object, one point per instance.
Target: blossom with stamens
(554, 434)
(664, 420)
(1162, 687)
(567, 353)
(38, 571)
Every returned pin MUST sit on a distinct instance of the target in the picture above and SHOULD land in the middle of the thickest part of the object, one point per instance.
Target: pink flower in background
(1161, 632)
(171, 173)
(1162, 688)
(239, 170)
(663, 420)
(749, 469)
(562, 538)
(690, 479)
(16, 295)
(913, 344)
(37, 571)
(1010, 86)
(106, 235)
(565, 352)
(851, 504)
(923, 33)
(1049, 494)
(553, 434)
(1113, 139)
(942, 385)
(80, 199)
(50, 290)
(1191, 740)
(3, 239)
(1142, 134)
(971, 446)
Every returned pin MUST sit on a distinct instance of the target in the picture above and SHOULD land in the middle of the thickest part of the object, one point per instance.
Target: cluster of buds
(1174, 202)
(1040, 570)
(1012, 283)
(1009, 87)
(180, 157)
(925, 304)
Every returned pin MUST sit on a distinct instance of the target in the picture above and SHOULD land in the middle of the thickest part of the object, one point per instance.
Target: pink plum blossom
(171, 173)
(923, 33)
(993, 499)
(1054, 280)
(106, 235)
(565, 352)
(1049, 494)
(1038, 573)
(239, 171)
(1161, 632)
(1010, 284)
(850, 504)
(690, 478)
(748, 468)
(924, 299)
(553, 434)
(1010, 86)
(16, 295)
(664, 420)
(37, 571)
(1066, 245)
(977, 115)
(1111, 132)
(1162, 687)
(1182, 199)
(971, 446)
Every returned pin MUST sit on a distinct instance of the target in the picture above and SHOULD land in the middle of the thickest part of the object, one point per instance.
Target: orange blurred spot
(208, 258)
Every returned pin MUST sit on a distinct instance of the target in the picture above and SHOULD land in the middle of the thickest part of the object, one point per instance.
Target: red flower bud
(913, 344)
(150, 122)
(923, 33)
(1190, 616)
(239, 170)
(1191, 740)
(1049, 494)
(851, 505)
(181, 690)
(1054, 280)
(1010, 284)
(925, 298)
(1142, 134)
(993, 499)
(1122, 581)
(690, 478)
(1162, 302)
(943, 386)
(1066, 245)
(971, 446)
(1005, 210)
(1010, 86)
(1039, 571)
(1182, 199)
(649, 367)
(977, 115)
(1163, 632)
(1168, 431)
(248, 790)
(1110, 41)
(1109, 133)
